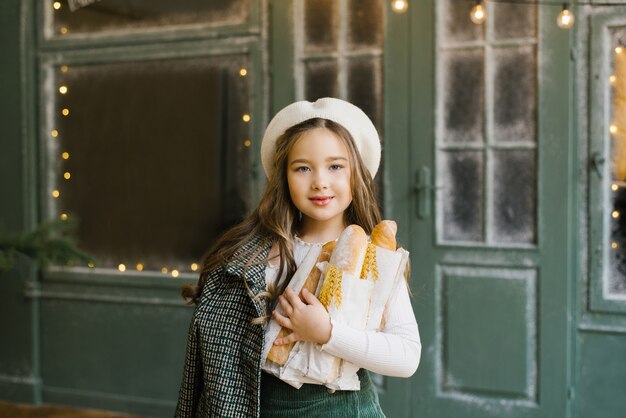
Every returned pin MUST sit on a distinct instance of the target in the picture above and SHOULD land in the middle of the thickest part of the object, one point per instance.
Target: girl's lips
(321, 201)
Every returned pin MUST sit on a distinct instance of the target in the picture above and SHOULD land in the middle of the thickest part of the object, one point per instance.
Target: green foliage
(52, 242)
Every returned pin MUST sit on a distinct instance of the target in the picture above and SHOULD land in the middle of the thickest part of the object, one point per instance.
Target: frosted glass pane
(457, 25)
(515, 91)
(617, 194)
(514, 20)
(155, 175)
(366, 19)
(461, 177)
(463, 95)
(321, 25)
(364, 87)
(113, 15)
(320, 79)
(515, 196)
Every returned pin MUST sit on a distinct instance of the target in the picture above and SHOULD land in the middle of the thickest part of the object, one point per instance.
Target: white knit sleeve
(393, 351)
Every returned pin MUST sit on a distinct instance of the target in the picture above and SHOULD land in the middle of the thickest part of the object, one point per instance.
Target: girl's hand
(308, 321)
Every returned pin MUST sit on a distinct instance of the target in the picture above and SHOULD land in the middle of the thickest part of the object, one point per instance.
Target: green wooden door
(482, 187)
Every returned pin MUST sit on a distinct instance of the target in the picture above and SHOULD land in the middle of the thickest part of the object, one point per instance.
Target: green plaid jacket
(222, 373)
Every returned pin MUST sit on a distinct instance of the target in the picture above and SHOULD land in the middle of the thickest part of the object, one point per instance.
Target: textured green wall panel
(602, 376)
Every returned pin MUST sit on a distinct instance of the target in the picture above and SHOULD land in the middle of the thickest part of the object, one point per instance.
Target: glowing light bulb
(614, 245)
(194, 267)
(612, 79)
(565, 19)
(399, 6)
(64, 68)
(121, 267)
(56, 5)
(164, 270)
(65, 112)
(247, 143)
(63, 89)
(63, 30)
(63, 216)
(91, 265)
(615, 214)
(54, 133)
(478, 14)
(614, 187)
(67, 175)
(65, 155)
(243, 72)
(246, 118)
(613, 129)
(175, 273)
(56, 194)
(139, 267)
(619, 50)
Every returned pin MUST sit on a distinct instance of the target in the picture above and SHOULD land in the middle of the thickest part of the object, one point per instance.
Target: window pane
(366, 23)
(515, 20)
(320, 25)
(515, 91)
(156, 155)
(515, 191)
(464, 89)
(320, 79)
(461, 175)
(115, 15)
(364, 90)
(617, 131)
(456, 22)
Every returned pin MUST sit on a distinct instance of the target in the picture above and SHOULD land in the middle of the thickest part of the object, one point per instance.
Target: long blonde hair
(275, 219)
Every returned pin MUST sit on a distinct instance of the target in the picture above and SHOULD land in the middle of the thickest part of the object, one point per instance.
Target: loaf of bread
(280, 353)
(384, 235)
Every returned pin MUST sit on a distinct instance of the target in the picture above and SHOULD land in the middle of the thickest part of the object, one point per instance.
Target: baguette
(280, 353)
(384, 235)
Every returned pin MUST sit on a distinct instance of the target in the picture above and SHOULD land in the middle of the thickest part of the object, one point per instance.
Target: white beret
(346, 114)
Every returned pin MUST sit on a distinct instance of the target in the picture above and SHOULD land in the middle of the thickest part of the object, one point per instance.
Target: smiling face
(318, 175)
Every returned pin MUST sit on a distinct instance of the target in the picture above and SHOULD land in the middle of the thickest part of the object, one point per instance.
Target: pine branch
(52, 242)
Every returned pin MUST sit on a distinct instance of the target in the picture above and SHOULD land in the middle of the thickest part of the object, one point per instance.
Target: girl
(320, 159)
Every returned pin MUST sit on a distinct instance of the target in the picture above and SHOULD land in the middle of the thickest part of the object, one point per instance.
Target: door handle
(423, 188)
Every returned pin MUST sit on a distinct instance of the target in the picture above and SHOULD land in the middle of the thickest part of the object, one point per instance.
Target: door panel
(489, 268)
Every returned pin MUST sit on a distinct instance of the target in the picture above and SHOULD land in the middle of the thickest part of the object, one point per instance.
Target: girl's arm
(393, 351)
(191, 386)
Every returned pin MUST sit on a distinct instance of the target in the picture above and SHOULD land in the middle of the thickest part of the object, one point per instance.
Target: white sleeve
(393, 351)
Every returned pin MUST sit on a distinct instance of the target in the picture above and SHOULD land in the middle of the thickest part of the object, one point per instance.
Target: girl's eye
(336, 167)
(302, 169)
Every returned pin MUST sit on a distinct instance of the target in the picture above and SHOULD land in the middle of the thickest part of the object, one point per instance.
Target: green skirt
(280, 400)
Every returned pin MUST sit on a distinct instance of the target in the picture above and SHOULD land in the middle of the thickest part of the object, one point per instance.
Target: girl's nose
(320, 182)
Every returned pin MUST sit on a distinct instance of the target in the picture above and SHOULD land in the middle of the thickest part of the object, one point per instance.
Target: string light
(243, 72)
(619, 49)
(565, 19)
(614, 187)
(164, 270)
(65, 155)
(67, 175)
(63, 30)
(246, 118)
(175, 273)
(613, 129)
(63, 89)
(615, 214)
(614, 245)
(121, 267)
(194, 267)
(56, 194)
(478, 14)
(64, 68)
(56, 5)
(612, 79)
(247, 143)
(63, 216)
(91, 265)
(139, 267)
(399, 6)
(65, 112)
(54, 133)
